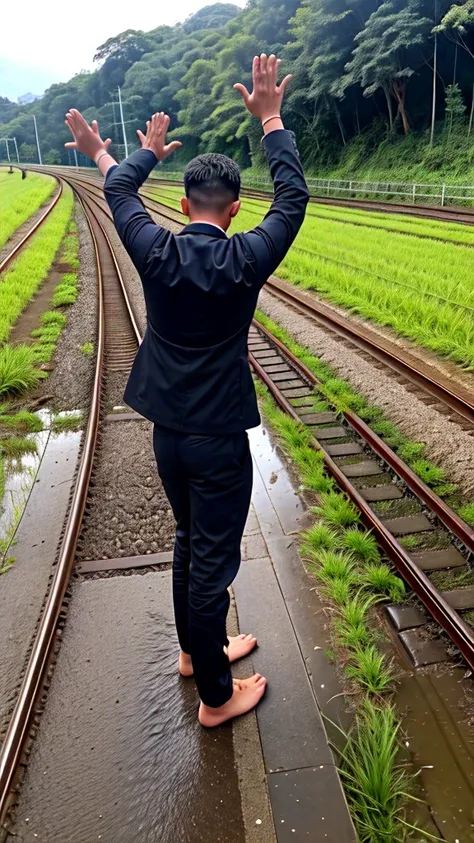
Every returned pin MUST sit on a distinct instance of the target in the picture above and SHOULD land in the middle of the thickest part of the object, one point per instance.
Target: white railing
(433, 194)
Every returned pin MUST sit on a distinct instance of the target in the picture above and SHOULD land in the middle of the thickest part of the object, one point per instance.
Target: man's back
(201, 290)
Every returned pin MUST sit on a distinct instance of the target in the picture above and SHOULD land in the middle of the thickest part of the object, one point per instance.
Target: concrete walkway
(120, 756)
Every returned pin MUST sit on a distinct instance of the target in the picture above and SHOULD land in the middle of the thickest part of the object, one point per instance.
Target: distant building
(25, 99)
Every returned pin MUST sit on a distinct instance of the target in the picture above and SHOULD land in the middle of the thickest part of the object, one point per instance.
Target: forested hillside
(367, 75)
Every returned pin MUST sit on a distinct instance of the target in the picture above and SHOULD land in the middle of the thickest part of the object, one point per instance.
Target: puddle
(440, 738)
(20, 473)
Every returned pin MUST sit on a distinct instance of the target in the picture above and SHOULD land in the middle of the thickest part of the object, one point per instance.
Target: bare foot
(239, 646)
(247, 694)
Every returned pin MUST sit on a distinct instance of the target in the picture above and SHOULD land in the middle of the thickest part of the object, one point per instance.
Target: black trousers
(208, 482)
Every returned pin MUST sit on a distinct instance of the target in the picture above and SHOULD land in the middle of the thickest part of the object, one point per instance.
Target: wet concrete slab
(303, 803)
(438, 560)
(24, 585)
(275, 597)
(409, 524)
(422, 649)
(121, 757)
(374, 494)
(406, 617)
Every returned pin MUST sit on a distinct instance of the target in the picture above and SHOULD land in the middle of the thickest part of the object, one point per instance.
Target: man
(191, 376)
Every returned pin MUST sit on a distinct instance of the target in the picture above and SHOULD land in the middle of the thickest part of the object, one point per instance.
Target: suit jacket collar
(204, 228)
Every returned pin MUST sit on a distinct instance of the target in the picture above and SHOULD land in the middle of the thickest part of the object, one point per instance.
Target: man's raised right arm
(270, 241)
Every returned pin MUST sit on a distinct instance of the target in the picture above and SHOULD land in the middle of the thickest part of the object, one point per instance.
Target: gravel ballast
(70, 383)
(129, 512)
(447, 444)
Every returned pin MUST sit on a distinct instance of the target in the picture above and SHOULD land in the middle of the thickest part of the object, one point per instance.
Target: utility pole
(37, 141)
(8, 151)
(123, 123)
(16, 150)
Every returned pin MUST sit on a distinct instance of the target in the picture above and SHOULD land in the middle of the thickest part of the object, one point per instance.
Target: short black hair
(212, 181)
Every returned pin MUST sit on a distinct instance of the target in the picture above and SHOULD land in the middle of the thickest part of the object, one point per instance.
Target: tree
(211, 17)
(384, 51)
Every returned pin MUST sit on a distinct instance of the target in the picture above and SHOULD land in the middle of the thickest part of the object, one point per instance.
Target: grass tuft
(361, 544)
(380, 578)
(317, 538)
(18, 371)
(369, 668)
(88, 349)
(337, 510)
(376, 783)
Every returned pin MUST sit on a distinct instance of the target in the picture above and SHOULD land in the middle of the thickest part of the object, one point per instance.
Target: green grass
(70, 422)
(20, 198)
(343, 398)
(22, 421)
(392, 270)
(376, 783)
(369, 669)
(22, 280)
(16, 447)
(18, 370)
(88, 349)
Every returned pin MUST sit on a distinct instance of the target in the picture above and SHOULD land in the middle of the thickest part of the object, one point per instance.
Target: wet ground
(120, 756)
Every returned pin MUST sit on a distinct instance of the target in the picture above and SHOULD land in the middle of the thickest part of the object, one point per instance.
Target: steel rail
(402, 362)
(14, 252)
(459, 633)
(35, 672)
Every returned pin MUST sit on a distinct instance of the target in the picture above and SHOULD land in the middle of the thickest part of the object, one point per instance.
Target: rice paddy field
(412, 275)
(20, 198)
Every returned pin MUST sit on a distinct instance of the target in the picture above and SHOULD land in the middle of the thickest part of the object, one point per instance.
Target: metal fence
(415, 193)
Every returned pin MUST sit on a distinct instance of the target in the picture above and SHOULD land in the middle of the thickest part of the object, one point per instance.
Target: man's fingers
(285, 82)
(171, 147)
(95, 127)
(242, 90)
(263, 64)
(107, 142)
(71, 145)
(141, 137)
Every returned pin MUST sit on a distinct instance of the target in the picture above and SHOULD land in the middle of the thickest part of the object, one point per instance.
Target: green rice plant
(17, 369)
(445, 490)
(88, 349)
(369, 669)
(22, 279)
(16, 447)
(20, 199)
(381, 578)
(64, 296)
(376, 782)
(53, 317)
(65, 423)
(337, 510)
(48, 332)
(467, 513)
(429, 473)
(23, 420)
(361, 544)
(318, 537)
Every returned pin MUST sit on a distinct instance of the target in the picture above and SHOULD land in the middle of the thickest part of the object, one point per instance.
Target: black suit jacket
(191, 373)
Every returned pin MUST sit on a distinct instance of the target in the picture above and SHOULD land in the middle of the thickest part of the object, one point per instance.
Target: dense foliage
(364, 69)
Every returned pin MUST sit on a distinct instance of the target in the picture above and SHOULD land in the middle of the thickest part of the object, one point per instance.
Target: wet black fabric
(208, 481)
(201, 288)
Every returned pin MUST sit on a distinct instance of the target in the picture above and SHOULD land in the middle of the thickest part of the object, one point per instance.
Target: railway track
(118, 339)
(374, 475)
(370, 473)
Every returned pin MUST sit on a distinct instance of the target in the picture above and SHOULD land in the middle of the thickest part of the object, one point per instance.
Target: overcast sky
(50, 41)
